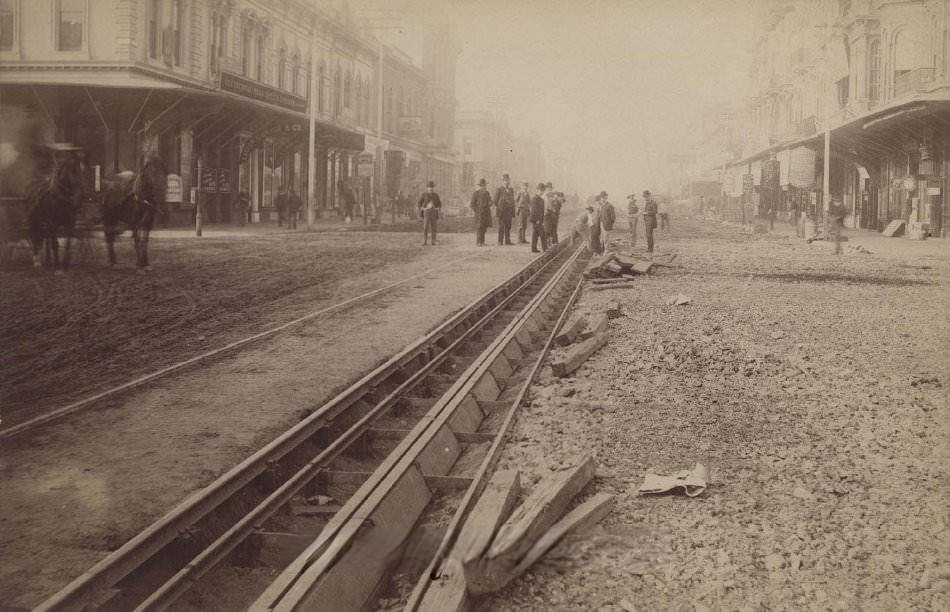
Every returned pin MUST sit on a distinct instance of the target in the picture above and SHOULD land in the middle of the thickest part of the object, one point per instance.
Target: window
(337, 92)
(219, 34)
(177, 24)
(154, 29)
(282, 69)
(874, 70)
(259, 57)
(246, 37)
(843, 86)
(295, 76)
(347, 91)
(321, 87)
(7, 21)
(71, 15)
(903, 61)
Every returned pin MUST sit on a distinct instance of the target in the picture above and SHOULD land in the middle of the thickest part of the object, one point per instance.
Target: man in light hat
(536, 217)
(481, 207)
(524, 211)
(429, 207)
(549, 213)
(649, 218)
(505, 209)
(633, 212)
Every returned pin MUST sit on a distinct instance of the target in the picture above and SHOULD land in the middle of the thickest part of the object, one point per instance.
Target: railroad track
(87, 402)
(319, 518)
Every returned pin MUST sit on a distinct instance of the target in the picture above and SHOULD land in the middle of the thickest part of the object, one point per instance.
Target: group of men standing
(542, 211)
(650, 212)
(601, 217)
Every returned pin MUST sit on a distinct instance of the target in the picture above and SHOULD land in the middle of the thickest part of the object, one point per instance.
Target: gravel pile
(813, 386)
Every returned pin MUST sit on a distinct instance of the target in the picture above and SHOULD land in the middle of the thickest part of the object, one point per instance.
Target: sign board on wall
(410, 126)
(173, 188)
(264, 93)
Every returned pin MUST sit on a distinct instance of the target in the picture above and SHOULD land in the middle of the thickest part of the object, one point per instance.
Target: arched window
(358, 100)
(259, 52)
(874, 70)
(247, 37)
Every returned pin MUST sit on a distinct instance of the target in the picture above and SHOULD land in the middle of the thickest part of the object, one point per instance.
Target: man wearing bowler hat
(429, 207)
(633, 216)
(505, 209)
(481, 207)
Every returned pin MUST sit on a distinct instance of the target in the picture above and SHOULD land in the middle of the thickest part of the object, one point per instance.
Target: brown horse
(134, 201)
(56, 197)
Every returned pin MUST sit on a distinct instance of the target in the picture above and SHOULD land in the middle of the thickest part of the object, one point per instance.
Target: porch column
(826, 183)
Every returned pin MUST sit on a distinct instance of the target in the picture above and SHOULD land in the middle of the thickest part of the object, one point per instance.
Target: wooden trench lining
(86, 589)
(342, 568)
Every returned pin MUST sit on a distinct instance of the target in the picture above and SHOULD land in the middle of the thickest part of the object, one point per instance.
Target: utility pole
(312, 141)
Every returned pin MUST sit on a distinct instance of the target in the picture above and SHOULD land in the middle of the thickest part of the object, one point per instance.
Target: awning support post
(312, 136)
(826, 183)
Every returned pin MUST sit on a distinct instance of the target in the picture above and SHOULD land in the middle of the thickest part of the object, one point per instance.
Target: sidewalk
(220, 230)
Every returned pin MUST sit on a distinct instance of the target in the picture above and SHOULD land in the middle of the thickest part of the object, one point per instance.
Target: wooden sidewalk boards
(498, 543)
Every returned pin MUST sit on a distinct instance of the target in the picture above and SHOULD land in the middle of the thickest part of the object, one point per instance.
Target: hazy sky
(614, 85)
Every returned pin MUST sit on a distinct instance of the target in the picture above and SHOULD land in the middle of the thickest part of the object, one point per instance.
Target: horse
(56, 198)
(134, 201)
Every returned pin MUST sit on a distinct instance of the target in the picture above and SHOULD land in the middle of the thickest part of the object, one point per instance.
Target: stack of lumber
(499, 542)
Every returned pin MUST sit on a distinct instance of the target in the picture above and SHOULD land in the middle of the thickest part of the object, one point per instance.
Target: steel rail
(152, 376)
(181, 582)
(102, 576)
(295, 585)
(436, 565)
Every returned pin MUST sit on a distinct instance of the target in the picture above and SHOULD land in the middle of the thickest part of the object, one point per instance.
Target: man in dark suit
(429, 207)
(481, 206)
(505, 209)
(536, 216)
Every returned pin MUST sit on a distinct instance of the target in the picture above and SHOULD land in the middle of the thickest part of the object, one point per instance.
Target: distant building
(874, 77)
(486, 147)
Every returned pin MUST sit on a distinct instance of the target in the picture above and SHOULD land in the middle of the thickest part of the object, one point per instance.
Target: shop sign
(910, 183)
(209, 180)
(364, 164)
(258, 91)
(410, 126)
(224, 180)
(173, 188)
(933, 191)
(747, 184)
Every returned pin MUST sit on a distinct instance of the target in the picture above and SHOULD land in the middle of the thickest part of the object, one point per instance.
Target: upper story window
(321, 87)
(259, 53)
(246, 37)
(295, 76)
(347, 91)
(154, 28)
(7, 24)
(282, 69)
(219, 38)
(178, 19)
(70, 18)
(874, 70)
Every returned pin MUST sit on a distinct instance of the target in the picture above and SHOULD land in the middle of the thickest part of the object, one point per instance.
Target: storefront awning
(101, 77)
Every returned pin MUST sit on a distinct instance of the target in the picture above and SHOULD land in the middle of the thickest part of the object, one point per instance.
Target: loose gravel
(813, 386)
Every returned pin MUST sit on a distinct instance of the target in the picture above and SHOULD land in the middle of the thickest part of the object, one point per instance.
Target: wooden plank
(489, 571)
(613, 267)
(448, 482)
(597, 325)
(582, 517)
(449, 592)
(578, 355)
(623, 285)
(610, 281)
(642, 267)
(571, 330)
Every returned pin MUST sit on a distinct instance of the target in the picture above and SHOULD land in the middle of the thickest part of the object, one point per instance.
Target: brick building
(225, 82)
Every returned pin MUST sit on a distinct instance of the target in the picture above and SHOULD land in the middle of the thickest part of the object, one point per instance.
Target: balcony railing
(912, 80)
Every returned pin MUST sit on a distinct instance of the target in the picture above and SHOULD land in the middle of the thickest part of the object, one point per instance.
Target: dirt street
(79, 488)
(814, 387)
